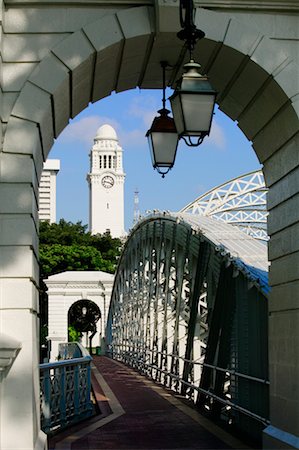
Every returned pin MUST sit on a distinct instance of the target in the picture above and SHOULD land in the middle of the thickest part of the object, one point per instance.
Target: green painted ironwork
(65, 388)
(188, 315)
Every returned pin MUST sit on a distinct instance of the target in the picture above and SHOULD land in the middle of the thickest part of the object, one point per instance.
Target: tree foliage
(74, 335)
(68, 246)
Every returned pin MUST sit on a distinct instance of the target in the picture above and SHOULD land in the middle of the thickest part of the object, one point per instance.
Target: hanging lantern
(193, 104)
(163, 142)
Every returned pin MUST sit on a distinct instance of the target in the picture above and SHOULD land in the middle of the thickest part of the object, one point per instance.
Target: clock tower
(106, 184)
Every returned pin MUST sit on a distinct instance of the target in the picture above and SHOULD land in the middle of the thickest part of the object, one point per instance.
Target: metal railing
(138, 362)
(65, 388)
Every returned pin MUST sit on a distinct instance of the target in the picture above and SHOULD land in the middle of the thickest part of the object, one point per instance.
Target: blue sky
(224, 155)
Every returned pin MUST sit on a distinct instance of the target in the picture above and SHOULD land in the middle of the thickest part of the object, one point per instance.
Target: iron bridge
(189, 309)
(241, 202)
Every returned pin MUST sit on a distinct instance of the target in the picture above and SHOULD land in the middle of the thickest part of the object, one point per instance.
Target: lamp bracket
(190, 34)
(158, 169)
(164, 64)
(188, 141)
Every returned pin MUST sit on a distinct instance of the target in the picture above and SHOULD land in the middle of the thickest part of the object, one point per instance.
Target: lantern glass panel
(176, 107)
(197, 111)
(163, 148)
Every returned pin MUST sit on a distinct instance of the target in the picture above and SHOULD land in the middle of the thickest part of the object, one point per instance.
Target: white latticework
(240, 202)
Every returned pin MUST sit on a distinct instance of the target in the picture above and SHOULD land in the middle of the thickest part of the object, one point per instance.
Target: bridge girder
(174, 315)
(241, 202)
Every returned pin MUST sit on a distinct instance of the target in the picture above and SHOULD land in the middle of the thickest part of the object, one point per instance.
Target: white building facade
(67, 288)
(47, 190)
(106, 184)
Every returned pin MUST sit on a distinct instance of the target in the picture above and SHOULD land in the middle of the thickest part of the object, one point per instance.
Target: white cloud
(144, 108)
(217, 136)
(132, 139)
(84, 130)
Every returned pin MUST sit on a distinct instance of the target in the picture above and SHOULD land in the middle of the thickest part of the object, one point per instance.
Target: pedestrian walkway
(138, 414)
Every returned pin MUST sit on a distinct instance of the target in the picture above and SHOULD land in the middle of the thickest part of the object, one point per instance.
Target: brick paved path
(149, 419)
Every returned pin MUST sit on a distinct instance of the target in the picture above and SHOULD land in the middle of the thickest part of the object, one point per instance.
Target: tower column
(106, 184)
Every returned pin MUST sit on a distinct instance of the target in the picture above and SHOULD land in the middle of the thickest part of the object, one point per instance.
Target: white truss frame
(167, 315)
(241, 202)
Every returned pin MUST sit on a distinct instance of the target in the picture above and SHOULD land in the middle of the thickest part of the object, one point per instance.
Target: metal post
(76, 390)
(200, 272)
(62, 403)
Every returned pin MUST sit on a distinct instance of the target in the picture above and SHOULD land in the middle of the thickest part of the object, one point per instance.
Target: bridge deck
(138, 414)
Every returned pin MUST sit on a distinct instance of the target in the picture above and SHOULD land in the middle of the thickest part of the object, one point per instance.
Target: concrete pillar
(19, 280)
(283, 227)
(19, 403)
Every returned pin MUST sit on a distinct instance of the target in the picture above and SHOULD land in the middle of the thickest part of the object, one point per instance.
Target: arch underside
(124, 50)
(187, 313)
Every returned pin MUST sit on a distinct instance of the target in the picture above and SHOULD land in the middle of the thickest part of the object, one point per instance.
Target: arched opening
(226, 154)
(257, 85)
(83, 317)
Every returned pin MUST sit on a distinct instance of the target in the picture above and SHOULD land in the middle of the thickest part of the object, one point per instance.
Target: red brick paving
(150, 421)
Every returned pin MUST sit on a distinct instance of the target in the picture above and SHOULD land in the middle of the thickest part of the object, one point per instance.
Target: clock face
(107, 181)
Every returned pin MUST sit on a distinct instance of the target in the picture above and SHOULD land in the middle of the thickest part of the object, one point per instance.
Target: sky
(224, 155)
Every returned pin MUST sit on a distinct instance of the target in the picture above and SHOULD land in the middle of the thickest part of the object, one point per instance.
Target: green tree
(63, 232)
(68, 246)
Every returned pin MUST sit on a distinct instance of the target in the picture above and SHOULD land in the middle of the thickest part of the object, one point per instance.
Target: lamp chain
(164, 64)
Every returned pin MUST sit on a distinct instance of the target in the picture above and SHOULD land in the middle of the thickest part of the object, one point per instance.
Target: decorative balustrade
(65, 388)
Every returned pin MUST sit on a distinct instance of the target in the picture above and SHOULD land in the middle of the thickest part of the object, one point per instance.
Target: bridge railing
(65, 388)
(192, 390)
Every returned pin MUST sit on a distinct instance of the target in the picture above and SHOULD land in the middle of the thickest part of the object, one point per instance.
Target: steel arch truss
(182, 314)
(240, 202)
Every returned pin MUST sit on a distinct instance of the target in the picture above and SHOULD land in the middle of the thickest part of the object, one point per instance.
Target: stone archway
(258, 86)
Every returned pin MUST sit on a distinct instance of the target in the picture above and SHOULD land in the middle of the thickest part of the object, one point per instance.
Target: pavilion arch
(92, 311)
(66, 290)
(257, 81)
